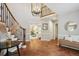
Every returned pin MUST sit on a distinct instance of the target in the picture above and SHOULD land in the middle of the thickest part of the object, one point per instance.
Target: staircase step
(7, 29)
(9, 33)
(14, 39)
(12, 36)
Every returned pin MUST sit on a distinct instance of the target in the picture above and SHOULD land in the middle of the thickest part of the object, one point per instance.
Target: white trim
(46, 39)
(42, 40)
(27, 40)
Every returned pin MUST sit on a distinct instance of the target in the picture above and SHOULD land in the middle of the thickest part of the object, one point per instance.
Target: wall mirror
(70, 26)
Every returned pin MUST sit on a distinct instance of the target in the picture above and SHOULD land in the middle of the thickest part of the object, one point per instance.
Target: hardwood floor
(46, 48)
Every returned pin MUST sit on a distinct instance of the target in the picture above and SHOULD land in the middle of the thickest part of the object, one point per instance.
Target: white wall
(66, 12)
(69, 17)
(22, 13)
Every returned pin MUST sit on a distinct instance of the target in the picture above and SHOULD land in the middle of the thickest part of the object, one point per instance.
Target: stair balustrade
(11, 23)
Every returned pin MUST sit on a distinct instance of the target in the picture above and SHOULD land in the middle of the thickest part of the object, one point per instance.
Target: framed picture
(45, 26)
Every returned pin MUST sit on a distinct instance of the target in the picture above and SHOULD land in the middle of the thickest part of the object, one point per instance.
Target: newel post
(24, 36)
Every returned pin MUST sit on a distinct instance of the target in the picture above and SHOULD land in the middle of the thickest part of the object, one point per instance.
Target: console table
(13, 44)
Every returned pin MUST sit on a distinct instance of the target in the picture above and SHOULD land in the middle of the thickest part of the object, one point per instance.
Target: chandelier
(36, 9)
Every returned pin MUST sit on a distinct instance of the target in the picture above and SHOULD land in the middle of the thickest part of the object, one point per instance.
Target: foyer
(39, 29)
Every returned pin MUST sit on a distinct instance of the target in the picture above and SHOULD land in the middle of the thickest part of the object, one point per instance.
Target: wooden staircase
(14, 30)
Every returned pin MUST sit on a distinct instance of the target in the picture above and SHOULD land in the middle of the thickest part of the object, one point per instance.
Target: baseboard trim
(45, 40)
(28, 40)
(41, 40)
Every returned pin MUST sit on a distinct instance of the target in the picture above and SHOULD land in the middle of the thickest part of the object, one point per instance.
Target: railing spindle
(9, 20)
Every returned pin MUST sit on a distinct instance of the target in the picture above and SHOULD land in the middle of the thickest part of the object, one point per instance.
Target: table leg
(0, 50)
(18, 50)
(7, 54)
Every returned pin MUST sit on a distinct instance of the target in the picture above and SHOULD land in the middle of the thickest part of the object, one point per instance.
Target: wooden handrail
(10, 12)
(8, 18)
(12, 15)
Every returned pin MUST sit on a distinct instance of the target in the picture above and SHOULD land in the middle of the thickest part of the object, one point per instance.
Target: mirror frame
(71, 24)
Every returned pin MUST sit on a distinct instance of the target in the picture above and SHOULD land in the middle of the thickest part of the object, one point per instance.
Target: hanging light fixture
(36, 9)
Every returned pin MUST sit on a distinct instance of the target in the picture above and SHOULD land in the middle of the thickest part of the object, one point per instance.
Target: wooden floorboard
(46, 48)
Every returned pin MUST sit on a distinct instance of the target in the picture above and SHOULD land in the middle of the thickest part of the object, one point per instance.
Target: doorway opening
(55, 29)
(35, 31)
